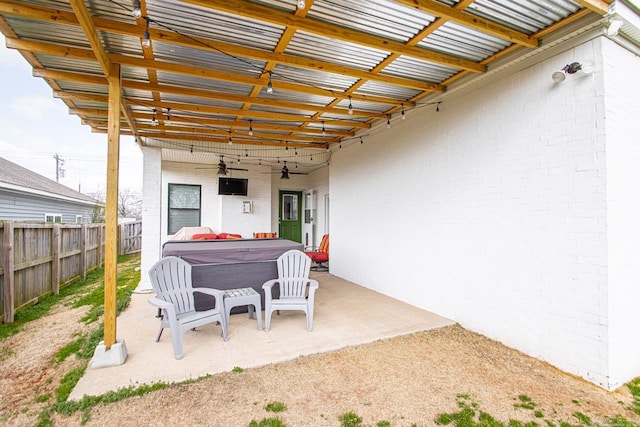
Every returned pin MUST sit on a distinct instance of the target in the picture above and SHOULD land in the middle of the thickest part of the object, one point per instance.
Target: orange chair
(321, 255)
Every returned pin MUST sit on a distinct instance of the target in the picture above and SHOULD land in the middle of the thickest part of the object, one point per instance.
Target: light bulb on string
(403, 116)
(302, 4)
(388, 121)
(250, 128)
(136, 11)
(324, 132)
(146, 40)
(350, 106)
(269, 85)
(168, 121)
(154, 121)
(361, 141)
(230, 140)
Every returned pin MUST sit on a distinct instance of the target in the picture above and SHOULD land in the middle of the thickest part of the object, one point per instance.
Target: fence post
(8, 289)
(83, 251)
(55, 259)
(100, 253)
(119, 239)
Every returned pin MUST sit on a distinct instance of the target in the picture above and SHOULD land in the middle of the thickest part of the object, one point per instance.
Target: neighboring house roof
(16, 178)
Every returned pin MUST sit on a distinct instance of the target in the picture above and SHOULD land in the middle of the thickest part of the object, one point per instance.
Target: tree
(129, 204)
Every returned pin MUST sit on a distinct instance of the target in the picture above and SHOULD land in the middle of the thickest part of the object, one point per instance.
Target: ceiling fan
(223, 169)
(285, 172)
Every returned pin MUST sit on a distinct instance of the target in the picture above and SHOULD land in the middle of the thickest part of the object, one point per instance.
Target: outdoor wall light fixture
(612, 28)
(572, 68)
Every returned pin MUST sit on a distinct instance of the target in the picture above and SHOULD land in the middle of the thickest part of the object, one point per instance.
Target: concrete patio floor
(345, 315)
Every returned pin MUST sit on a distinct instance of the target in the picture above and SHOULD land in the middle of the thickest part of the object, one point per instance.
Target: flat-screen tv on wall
(233, 186)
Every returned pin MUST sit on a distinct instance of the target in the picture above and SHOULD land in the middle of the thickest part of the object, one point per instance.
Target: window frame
(53, 218)
(171, 209)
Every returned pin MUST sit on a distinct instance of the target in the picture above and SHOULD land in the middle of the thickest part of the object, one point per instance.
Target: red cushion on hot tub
(205, 236)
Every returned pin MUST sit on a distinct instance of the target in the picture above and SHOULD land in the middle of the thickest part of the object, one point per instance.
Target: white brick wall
(151, 220)
(622, 110)
(492, 212)
(223, 213)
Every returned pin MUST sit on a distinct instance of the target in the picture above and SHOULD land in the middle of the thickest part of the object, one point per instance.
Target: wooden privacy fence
(36, 258)
(129, 237)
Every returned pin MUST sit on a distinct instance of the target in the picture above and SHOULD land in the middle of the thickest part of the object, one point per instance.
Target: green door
(290, 215)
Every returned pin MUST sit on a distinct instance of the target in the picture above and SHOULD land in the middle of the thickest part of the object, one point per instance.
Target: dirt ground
(405, 381)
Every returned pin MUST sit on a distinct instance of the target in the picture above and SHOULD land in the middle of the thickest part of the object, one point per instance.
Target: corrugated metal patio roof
(209, 62)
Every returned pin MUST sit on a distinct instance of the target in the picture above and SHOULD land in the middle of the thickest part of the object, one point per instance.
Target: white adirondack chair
(171, 280)
(297, 291)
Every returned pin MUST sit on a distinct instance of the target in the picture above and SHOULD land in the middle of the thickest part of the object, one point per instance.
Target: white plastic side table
(240, 297)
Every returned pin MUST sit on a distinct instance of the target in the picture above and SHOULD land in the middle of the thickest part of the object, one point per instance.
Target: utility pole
(59, 169)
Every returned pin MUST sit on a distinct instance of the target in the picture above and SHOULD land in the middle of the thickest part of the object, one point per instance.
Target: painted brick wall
(222, 213)
(491, 212)
(151, 217)
(622, 110)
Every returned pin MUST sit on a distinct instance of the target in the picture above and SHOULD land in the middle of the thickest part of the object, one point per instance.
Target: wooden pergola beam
(204, 44)
(207, 109)
(113, 74)
(201, 93)
(601, 7)
(88, 55)
(472, 21)
(87, 113)
(285, 19)
(111, 210)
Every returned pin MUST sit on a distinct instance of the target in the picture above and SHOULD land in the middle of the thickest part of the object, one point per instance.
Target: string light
(136, 11)
(324, 132)
(250, 128)
(154, 121)
(168, 121)
(146, 40)
(350, 106)
(388, 121)
(246, 154)
(438, 106)
(361, 141)
(191, 149)
(269, 85)
(230, 140)
(403, 117)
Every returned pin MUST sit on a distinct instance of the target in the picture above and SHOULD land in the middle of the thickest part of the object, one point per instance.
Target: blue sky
(34, 126)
